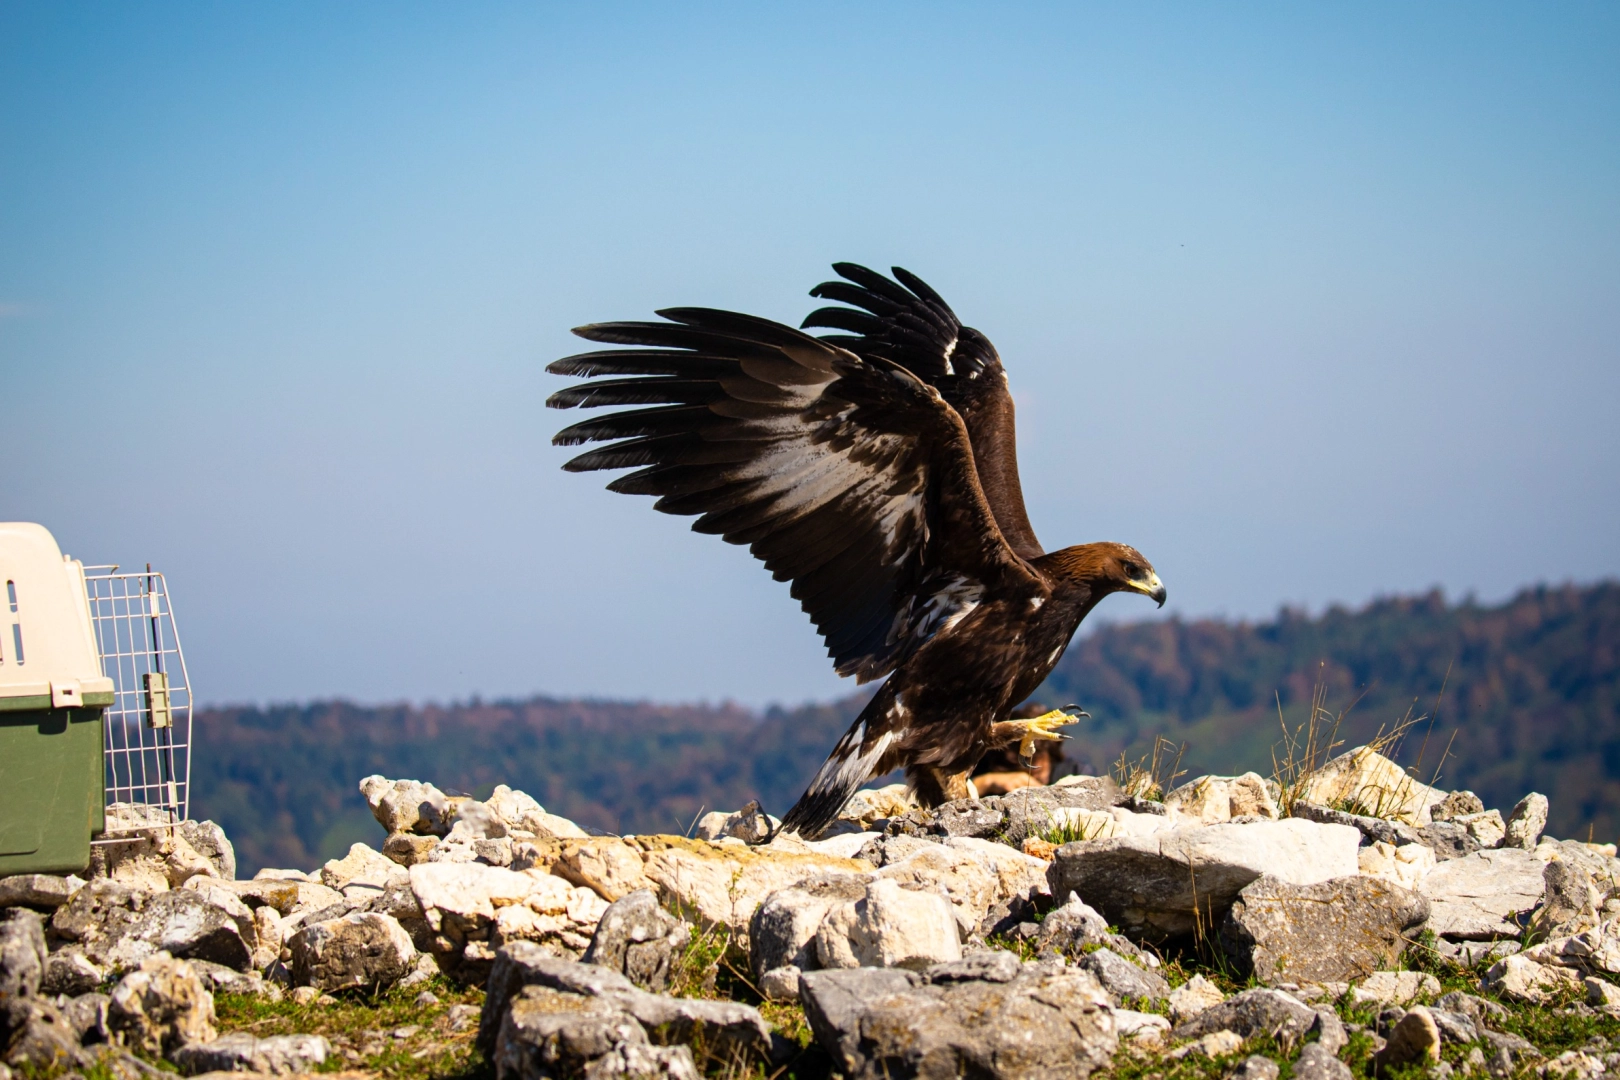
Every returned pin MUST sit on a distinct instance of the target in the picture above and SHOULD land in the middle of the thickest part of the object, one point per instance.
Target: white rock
(875, 804)
(1527, 822)
(163, 1005)
(844, 846)
(406, 805)
(1193, 997)
(1602, 994)
(1520, 979)
(1210, 799)
(1483, 895)
(1150, 884)
(361, 866)
(1085, 824)
(468, 890)
(1487, 828)
(1141, 1026)
(1375, 785)
(889, 927)
(1395, 988)
(780, 984)
(1405, 865)
(365, 949)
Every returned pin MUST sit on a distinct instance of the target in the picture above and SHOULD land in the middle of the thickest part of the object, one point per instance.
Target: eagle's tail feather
(853, 762)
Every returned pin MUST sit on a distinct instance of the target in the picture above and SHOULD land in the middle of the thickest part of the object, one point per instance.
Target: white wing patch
(937, 611)
(847, 768)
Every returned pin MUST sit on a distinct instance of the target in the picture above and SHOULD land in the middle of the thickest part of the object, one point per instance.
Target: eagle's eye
(1134, 572)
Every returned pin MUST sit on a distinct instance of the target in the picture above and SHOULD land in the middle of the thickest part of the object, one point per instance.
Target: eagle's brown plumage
(876, 470)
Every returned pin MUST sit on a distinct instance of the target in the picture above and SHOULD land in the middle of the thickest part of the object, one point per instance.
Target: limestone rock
(1334, 930)
(1257, 1068)
(870, 805)
(1483, 896)
(751, 825)
(22, 954)
(408, 849)
(1526, 822)
(363, 950)
(1040, 1023)
(183, 924)
(1519, 979)
(1486, 828)
(1375, 829)
(1456, 805)
(1149, 885)
(69, 971)
(407, 805)
(1569, 903)
(1142, 1027)
(722, 885)
(606, 864)
(1210, 799)
(1123, 980)
(1406, 865)
(889, 927)
(782, 932)
(97, 915)
(640, 939)
(44, 891)
(1192, 997)
(1070, 928)
(1315, 1062)
(208, 839)
(243, 1052)
(86, 1014)
(1395, 988)
(361, 866)
(1414, 1040)
(1252, 1013)
(287, 895)
(1366, 779)
(163, 1005)
(37, 1037)
(1009, 818)
(523, 971)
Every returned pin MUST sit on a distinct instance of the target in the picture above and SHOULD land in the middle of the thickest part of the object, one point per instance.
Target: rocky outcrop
(363, 950)
(1043, 1021)
(639, 939)
(1164, 884)
(163, 1005)
(1332, 931)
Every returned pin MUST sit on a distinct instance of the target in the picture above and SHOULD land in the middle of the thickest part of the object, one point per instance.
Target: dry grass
(1152, 774)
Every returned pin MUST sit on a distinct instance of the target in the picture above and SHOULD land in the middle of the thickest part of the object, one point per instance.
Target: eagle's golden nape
(875, 469)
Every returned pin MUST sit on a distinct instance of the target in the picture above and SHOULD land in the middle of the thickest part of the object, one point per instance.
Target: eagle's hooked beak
(1151, 587)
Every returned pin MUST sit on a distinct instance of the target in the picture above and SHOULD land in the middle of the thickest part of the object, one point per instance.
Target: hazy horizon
(1310, 304)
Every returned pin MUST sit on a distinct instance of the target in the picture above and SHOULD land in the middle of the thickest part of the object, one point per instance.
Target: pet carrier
(53, 693)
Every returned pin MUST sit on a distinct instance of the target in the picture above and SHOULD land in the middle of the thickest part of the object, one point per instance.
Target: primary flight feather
(876, 470)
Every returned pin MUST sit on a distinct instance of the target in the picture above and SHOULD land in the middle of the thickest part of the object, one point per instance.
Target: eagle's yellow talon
(1042, 728)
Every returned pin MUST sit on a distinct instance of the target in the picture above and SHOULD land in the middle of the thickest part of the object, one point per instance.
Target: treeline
(1526, 695)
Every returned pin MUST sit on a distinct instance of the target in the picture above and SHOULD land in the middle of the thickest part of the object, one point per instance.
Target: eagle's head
(1108, 568)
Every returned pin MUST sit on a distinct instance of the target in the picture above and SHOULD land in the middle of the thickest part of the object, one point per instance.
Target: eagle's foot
(1042, 728)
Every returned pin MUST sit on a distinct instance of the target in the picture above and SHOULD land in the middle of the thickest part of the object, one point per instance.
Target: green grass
(359, 1026)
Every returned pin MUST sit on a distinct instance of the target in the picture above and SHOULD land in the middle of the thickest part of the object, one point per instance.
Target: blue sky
(1311, 303)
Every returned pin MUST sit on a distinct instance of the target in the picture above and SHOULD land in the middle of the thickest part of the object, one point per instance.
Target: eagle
(876, 470)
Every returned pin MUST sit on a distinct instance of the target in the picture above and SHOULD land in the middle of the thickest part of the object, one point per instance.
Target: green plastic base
(51, 793)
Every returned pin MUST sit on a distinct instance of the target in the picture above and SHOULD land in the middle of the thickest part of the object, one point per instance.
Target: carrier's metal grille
(148, 727)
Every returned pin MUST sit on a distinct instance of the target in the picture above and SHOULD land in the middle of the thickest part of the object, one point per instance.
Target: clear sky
(1310, 302)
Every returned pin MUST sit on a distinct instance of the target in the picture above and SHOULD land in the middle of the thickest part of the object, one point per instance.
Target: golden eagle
(876, 470)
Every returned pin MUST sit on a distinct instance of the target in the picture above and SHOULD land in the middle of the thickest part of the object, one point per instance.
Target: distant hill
(1531, 691)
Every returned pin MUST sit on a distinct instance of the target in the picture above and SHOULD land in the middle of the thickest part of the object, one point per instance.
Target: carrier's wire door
(148, 727)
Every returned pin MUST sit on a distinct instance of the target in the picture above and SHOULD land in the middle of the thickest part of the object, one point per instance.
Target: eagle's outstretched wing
(846, 475)
(907, 322)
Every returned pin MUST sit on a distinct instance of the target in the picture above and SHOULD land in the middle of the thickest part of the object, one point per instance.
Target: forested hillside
(1531, 691)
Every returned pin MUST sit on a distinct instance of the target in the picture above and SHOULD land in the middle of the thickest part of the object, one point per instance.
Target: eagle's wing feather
(846, 475)
(907, 322)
